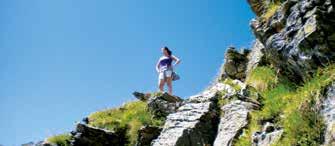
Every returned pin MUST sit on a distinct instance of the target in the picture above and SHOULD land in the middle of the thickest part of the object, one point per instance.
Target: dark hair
(168, 50)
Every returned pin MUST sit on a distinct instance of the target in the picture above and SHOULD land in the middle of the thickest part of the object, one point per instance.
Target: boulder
(146, 134)
(88, 135)
(141, 96)
(164, 104)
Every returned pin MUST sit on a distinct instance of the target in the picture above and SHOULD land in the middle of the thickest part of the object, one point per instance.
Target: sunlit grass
(262, 78)
(60, 140)
(270, 10)
(132, 116)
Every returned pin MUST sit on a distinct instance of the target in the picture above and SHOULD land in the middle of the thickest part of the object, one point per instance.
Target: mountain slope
(280, 92)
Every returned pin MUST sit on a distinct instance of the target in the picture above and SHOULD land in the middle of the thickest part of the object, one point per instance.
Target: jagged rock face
(163, 105)
(194, 123)
(160, 104)
(146, 134)
(85, 135)
(299, 37)
(255, 57)
(235, 118)
(235, 64)
(269, 135)
(328, 113)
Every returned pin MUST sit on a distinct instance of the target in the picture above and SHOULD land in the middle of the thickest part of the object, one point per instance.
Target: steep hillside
(279, 92)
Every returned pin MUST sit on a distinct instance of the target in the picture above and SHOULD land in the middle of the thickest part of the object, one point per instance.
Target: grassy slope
(131, 115)
(289, 106)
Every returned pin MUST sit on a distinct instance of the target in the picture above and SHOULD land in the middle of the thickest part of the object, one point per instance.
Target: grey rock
(266, 139)
(194, 123)
(298, 38)
(212, 91)
(88, 135)
(328, 114)
(40, 143)
(28, 144)
(235, 118)
(146, 134)
(141, 96)
(268, 136)
(163, 104)
(255, 57)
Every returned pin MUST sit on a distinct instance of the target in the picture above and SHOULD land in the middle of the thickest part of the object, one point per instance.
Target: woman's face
(165, 53)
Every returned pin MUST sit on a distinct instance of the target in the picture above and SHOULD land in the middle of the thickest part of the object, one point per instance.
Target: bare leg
(169, 83)
(161, 85)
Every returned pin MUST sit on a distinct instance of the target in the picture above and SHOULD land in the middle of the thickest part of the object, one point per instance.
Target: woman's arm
(175, 59)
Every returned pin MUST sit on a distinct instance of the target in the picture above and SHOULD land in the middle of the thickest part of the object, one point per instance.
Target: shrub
(60, 140)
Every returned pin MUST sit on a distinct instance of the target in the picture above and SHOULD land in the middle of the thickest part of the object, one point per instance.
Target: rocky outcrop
(235, 64)
(328, 113)
(268, 136)
(194, 123)
(299, 37)
(146, 134)
(234, 119)
(160, 104)
(163, 105)
(87, 135)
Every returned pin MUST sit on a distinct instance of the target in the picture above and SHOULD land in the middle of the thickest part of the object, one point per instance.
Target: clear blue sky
(63, 59)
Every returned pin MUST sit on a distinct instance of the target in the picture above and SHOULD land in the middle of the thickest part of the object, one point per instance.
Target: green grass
(273, 102)
(60, 140)
(230, 82)
(270, 10)
(264, 9)
(132, 116)
(292, 108)
(262, 78)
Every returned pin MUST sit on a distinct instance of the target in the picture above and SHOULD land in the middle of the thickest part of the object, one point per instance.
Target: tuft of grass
(270, 10)
(262, 78)
(132, 115)
(233, 84)
(60, 140)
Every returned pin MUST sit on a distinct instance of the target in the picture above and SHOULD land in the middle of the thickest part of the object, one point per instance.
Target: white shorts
(164, 74)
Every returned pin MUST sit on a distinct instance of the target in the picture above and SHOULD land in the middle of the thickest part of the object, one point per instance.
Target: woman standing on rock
(164, 69)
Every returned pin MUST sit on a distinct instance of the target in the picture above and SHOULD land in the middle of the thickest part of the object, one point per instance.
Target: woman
(164, 69)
